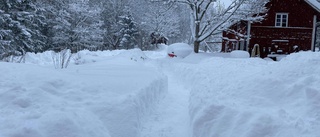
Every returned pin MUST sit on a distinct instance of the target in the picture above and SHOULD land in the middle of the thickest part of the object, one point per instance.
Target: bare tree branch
(208, 20)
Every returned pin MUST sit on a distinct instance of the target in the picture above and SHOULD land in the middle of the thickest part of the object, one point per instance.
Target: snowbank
(105, 98)
(179, 49)
(253, 97)
(239, 54)
(157, 54)
(110, 94)
(82, 57)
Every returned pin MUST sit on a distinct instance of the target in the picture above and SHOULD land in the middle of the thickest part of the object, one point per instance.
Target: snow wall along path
(254, 97)
(94, 100)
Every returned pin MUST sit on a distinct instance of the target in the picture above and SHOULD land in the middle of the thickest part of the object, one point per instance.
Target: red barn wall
(299, 12)
(298, 32)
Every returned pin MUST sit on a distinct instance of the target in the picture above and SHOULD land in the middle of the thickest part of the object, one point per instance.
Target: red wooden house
(289, 26)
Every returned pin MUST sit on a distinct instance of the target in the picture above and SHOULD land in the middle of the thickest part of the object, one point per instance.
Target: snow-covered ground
(254, 97)
(148, 94)
(108, 96)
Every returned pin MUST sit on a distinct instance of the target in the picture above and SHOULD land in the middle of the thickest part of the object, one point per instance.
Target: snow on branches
(210, 17)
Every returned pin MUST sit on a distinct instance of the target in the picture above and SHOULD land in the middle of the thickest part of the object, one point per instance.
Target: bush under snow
(239, 54)
(179, 49)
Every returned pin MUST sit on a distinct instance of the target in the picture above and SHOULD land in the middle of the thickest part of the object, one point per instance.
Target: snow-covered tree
(57, 16)
(6, 35)
(73, 24)
(128, 31)
(208, 18)
(22, 27)
(119, 25)
(85, 25)
(155, 17)
(161, 18)
(112, 10)
(183, 18)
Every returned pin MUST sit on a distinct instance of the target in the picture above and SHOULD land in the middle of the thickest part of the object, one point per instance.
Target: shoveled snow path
(171, 117)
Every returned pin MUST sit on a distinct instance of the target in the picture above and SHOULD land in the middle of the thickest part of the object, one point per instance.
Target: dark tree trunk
(196, 46)
(196, 41)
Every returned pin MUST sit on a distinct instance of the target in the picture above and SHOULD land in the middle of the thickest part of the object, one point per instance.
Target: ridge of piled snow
(109, 97)
(180, 50)
(82, 57)
(254, 97)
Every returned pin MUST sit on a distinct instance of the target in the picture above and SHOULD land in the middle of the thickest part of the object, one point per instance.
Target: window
(281, 20)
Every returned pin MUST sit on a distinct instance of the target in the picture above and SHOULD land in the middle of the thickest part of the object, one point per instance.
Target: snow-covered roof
(314, 3)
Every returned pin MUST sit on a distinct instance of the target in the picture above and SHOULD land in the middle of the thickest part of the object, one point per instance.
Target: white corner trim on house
(248, 35)
(314, 33)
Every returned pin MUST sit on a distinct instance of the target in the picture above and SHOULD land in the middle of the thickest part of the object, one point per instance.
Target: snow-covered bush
(78, 59)
(134, 54)
(61, 59)
(239, 54)
(179, 49)
(14, 58)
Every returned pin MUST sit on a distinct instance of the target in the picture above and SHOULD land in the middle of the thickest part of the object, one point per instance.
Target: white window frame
(279, 23)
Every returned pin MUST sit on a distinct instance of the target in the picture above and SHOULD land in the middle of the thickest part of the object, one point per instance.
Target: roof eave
(313, 6)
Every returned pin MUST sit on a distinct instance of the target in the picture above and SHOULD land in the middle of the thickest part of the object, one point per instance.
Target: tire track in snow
(171, 117)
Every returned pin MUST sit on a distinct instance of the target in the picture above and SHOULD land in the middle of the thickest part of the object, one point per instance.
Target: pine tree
(73, 24)
(113, 9)
(21, 27)
(128, 31)
(6, 36)
(86, 25)
(158, 18)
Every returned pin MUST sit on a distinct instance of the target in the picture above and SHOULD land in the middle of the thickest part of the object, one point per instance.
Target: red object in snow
(172, 55)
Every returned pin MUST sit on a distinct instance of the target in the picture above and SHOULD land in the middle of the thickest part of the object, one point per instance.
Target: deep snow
(147, 94)
(254, 97)
(171, 116)
(106, 97)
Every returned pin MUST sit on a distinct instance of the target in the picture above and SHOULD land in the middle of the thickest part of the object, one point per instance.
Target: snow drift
(106, 98)
(112, 93)
(179, 49)
(239, 54)
(254, 97)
